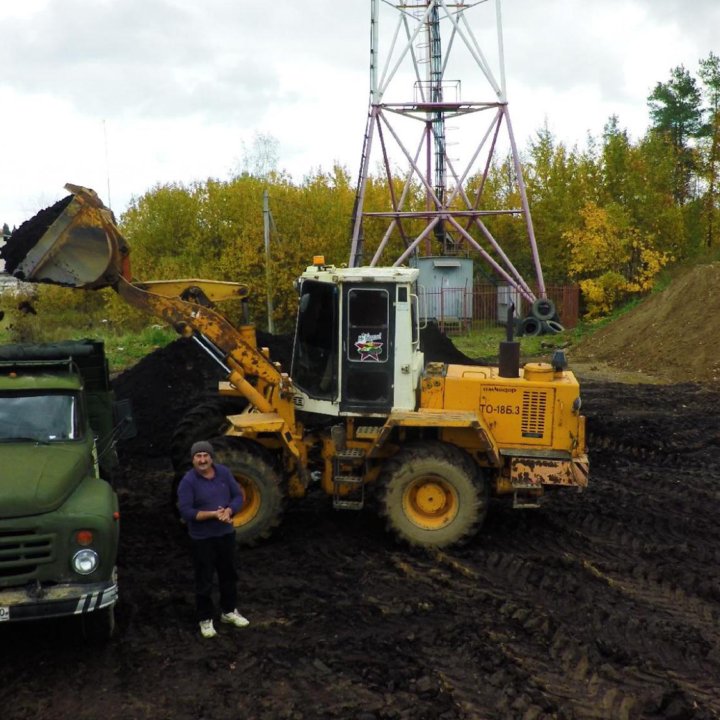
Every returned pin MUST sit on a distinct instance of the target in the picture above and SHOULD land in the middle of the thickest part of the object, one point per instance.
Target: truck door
(368, 363)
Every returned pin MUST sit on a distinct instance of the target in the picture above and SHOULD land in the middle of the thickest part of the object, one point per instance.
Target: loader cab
(356, 346)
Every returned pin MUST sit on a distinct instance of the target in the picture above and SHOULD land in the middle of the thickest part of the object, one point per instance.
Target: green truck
(59, 516)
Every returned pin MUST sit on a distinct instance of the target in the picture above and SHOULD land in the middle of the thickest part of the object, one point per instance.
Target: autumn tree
(610, 258)
(556, 192)
(261, 156)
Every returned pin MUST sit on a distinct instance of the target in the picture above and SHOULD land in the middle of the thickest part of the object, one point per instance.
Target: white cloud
(141, 92)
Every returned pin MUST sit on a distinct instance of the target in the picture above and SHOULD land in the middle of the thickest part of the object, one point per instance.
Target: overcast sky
(120, 95)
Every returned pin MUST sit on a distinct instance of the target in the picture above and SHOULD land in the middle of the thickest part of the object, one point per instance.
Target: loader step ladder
(349, 487)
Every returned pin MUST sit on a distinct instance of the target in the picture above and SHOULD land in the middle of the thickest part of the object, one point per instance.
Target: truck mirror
(124, 420)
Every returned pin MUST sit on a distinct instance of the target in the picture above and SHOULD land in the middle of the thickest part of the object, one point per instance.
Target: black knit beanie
(202, 446)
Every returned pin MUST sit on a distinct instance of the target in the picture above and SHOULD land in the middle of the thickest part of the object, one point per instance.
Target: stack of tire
(542, 320)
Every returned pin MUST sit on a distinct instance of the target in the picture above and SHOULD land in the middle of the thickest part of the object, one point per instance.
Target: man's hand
(224, 514)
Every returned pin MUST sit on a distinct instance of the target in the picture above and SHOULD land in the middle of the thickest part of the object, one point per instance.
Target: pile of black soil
(438, 347)
(29, 233)
(165, 384)
(162, 387)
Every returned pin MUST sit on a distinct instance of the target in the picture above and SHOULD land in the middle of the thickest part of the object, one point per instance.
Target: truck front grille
(533, 414)
(21, 551)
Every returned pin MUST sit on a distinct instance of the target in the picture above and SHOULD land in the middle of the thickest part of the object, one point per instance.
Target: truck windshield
(42, 417)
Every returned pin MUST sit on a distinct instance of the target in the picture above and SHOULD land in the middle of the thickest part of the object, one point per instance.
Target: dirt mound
(162, 387)
(438, 347)
(165, 384)
(671, 335)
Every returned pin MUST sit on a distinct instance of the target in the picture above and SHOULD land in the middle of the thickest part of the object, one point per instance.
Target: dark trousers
(209, 556)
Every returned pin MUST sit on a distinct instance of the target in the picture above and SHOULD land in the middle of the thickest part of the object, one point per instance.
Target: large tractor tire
(531, 326)
(433, 495)
(262, 487)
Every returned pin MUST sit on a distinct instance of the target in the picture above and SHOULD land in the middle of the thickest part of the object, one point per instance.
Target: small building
(446, 288)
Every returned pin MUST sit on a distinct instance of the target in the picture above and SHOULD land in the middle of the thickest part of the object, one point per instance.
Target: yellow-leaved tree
(610, 259)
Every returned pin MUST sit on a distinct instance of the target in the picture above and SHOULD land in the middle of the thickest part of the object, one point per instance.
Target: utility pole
(268, 290)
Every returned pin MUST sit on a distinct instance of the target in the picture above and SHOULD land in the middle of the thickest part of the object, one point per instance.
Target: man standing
(208, 497)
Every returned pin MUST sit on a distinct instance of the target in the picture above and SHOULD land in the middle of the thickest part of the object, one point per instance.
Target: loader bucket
(73, 243)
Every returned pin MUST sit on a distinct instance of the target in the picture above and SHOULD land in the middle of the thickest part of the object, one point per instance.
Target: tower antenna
(419, 49)
(107, 163)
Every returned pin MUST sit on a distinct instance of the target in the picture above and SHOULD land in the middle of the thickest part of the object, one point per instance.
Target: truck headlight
(85, 561)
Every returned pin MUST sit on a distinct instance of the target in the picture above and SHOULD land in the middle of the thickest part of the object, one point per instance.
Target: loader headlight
(85, 561)
(577, 404)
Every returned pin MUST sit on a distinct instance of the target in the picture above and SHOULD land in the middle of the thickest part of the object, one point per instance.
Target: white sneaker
(207, 629)
(234, 618)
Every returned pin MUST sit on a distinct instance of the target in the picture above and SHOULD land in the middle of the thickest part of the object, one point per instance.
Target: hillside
(671, 336)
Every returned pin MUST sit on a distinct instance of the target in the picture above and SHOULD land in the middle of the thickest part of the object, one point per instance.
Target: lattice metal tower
(434, 147)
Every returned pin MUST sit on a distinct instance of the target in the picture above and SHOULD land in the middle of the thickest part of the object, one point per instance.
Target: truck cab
(59, 515)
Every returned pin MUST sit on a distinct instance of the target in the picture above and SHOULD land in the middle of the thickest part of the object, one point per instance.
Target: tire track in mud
(542, 666)
(634, 562)
(560, 652)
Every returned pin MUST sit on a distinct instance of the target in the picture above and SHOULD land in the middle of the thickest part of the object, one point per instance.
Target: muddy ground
(598, 605)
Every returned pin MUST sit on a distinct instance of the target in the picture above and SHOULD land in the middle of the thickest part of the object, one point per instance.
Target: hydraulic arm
(83, 248)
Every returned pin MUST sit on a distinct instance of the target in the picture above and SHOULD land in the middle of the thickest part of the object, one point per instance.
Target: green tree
(557, 188)
(675, 112)
(616, 162)
(162, 229)
(710, 146)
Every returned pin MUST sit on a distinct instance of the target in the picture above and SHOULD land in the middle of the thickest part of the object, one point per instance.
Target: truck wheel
(261, 484)
(531, 326)
(553, 326)
(433, 495)
(543, 309)
(99, 626)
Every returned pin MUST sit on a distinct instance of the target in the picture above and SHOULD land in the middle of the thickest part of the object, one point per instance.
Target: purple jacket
(198, 493)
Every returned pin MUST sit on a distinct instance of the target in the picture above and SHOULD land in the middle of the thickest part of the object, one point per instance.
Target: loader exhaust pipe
(509, 357)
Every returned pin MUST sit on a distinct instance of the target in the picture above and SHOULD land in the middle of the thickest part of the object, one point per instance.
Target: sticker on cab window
(369, 347)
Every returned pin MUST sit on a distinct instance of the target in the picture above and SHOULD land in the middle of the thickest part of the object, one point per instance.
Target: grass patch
(48, 313)
(123, 351)
(122, 348)
(483, 344)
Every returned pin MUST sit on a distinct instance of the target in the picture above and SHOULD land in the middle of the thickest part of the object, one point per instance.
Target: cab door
(368, 365)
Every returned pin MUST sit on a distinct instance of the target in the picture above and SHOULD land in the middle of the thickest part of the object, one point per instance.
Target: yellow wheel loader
(359, 412)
